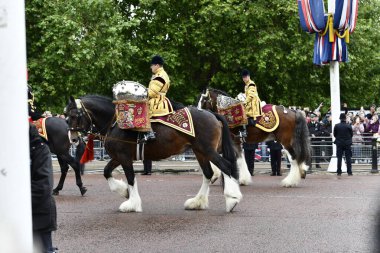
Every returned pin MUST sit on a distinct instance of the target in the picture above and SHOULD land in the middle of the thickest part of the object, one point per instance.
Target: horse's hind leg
(200, 201)
(232, 192)
(64, 168)
(244, 175)
(76, 166)
(294, 176)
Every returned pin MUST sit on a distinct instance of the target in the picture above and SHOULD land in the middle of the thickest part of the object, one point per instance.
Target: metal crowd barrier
(364, 153)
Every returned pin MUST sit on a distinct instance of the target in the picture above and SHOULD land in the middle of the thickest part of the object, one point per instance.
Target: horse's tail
(301, 143)
(228, 150)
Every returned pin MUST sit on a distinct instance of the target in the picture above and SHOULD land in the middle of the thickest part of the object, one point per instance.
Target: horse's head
(205, 101)
(76, 116)
(208, 99)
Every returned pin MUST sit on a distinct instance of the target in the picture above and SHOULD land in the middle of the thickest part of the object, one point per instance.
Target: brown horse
(292, 133)
(211, 131)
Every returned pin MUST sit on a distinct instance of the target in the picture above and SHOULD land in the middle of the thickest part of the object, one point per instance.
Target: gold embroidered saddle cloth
(180, 120)
(41, 127)
(269, 120)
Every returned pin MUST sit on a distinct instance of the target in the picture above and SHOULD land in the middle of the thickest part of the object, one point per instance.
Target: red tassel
(88, 154)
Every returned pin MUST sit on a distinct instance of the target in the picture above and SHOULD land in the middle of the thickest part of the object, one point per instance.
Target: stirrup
(243, 134)
(150, 136)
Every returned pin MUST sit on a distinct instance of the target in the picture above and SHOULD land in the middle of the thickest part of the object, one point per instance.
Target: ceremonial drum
(132, 108)
(232, 109)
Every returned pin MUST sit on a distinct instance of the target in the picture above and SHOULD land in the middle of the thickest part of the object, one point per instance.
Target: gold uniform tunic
(252, 101)
(159, 85)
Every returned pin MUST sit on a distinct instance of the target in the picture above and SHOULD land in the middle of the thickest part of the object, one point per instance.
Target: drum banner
(41, 127)
(132, 115)
(180, 120)
(234, 115)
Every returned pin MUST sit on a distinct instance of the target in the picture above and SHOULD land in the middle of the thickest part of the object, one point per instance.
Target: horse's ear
(72, 99)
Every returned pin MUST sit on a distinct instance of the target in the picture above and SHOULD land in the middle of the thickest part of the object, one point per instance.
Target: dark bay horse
(292, 133)
(59, 143)
(211, 132)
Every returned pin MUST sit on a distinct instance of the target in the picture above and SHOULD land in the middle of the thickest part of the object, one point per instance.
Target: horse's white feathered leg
(133, 204)
(119, 186)
(294, 176)
(216, 174)
(231, 192)
(200, 201)
(244, 175)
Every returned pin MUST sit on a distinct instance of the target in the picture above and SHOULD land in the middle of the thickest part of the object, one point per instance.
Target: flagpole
(335, 101)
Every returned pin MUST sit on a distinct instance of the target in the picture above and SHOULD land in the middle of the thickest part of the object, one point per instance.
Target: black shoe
(350, 174)
(273, 174)
(279, 174)
(146, 174)
(339, 174)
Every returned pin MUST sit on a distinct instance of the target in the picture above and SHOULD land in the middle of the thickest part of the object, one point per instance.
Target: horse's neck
(101, 116)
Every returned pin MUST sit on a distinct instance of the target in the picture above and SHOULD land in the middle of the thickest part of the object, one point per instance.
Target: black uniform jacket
(343, 134)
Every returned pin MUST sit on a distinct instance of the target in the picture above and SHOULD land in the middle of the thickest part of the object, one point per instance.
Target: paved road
(324, 214)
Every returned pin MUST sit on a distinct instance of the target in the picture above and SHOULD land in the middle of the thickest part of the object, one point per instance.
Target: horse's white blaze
(200, 201)
(133, 204)
(294, 176)
(119, 186)
(244, 175)
(216, 171)
(231, 192)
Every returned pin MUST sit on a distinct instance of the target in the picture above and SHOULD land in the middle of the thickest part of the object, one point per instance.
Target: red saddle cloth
(180, 120)
(41, 127)
(269, 121)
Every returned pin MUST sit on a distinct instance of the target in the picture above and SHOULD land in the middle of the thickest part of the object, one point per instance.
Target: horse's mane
(218, 91)
(98, 98)
(176, 105)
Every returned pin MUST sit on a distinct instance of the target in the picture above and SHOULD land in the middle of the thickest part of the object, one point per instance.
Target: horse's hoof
(213, 179)
(83, 190)
(55, 192)
(231, 203)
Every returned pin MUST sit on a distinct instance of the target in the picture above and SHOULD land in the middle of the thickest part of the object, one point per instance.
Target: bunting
(332, 31)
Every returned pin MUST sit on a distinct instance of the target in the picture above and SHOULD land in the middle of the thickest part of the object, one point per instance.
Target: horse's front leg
(76, 166)
(116, 185)
(133, 204)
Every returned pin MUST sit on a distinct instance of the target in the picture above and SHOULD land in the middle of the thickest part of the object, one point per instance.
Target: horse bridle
(81, 112)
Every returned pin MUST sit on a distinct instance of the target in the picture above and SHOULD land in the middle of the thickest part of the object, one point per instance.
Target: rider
(252, 101)
(159, 85)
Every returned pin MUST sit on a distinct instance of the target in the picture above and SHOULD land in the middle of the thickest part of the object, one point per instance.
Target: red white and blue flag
(330, 41)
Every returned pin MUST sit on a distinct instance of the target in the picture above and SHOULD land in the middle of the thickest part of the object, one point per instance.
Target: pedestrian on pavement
(249, 155)
(147, 167)
(275, 157)
(343, 141)
(44, 212)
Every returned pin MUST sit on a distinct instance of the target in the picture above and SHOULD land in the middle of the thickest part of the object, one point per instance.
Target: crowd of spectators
(365, 125)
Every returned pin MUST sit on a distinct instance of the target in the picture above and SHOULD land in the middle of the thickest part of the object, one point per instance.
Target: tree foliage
(81, 47)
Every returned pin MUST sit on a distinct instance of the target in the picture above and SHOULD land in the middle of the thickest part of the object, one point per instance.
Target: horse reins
(80, 107)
